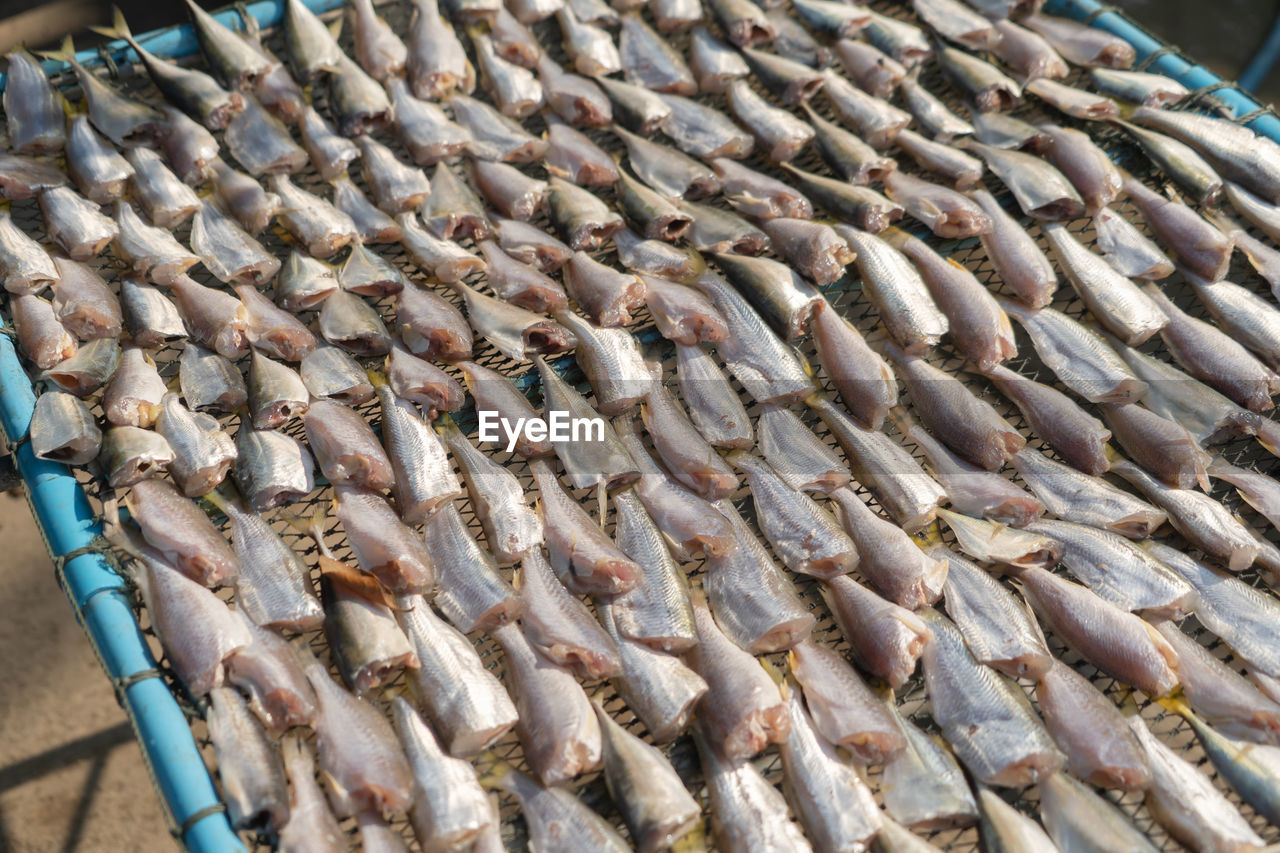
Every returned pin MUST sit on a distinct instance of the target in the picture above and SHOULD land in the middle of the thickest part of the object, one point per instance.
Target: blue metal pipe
(1189, 75)
(1263, 61)
(99, 599)
(180, 40)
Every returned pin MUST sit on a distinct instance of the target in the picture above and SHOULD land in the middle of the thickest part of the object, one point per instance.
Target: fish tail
(1177, 704)
(119, 28)
(376, 376)
(65, 52)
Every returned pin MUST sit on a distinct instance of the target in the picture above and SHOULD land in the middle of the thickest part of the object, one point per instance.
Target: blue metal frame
(1170, 64)
(99, 596)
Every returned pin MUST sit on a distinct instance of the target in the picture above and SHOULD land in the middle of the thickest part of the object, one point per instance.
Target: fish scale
(856, 309)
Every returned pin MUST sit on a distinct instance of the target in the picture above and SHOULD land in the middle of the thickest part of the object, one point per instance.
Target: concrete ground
(71, 774)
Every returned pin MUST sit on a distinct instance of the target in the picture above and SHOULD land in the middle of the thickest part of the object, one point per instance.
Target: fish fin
(774, 673)
(250, 23)
(119, 28)
(357, 582)
(1175, 703)
(494, 772)
(335, 28)
(376, 377)
(602, 502)
(65, 52)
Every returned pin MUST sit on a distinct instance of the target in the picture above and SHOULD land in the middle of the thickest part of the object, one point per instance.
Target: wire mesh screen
(846, 296)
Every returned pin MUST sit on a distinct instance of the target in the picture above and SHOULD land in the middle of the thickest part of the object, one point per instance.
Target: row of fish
(671, 654)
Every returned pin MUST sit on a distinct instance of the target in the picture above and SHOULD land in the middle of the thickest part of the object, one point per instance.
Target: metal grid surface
(846, 297)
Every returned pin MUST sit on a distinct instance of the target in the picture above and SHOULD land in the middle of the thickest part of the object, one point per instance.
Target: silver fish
(924, 787)
(422, 127)
(647, 60)
(802, 534)
(84, 303)
(150, 319)
(907, 493)
(210, 381)
(394, 185)
(635, 107)
(713, 405)
(369, 274)
(277, 394)
(76, 224)
(830, 797)
(329, 152)
(1115, 641)
(329, 371)
(861, 376)
(1086, 499)
(473, 595)
(249, 767)
(558, 820)
(798, 456)
(996, 625)
(1004, 131)
(767, 367)
(783, 299)
(1240, 312)
(132, 397)
(1185, 802)
(311, 825)
(1200, 246)
(261, 143)
(557, 726)
(885, 640)
(444, 259)
(513, 41)
(267, 671)
(591, 48)
(383, 545)
(931, 114)
(1077, 355)
(584, 556)
(845, 711)
(1215, 357)
(658, 687)
(651, 214)
(960, 170)
(582, 219)
(513, 193)
(778, 134)
(466, 704)
(355, 100)
(959, 23)
(350, 322)
(672, 16)
(717, 230)
(511, 527)
(345, 447)
(358, 752)
(196, 629)
(151, 252)
(989, 89)
(450, 808)
(86, 369)
(559, 625)
(1115, 300)
(1090, 731)
(968, 425)
(1127, 249)
(1179, 161)
(314, 222)
(40, 336)
(1205, 522)
(32, 107)
(493, 135)
(611, 360)
(122, 119)
(514, 331)
(1142, 87)
(377, 47)
(182, 534)
(1081, 44)
(897, 290)
(689, 523)
(944, 211)
(604, 462)
(366, 644)
(243, 198)
(1079, 819)
(203, 451)
(424, 478)
(227, 251)
(1008, 546)
(985, 718)
(132, 454)
(274, 586)
(1015, 256)
(1259, 212)
(742, 711)
(874, 73)
(577, 100)
(24, 264)
(423, 383)
(713, 62)
(63, 430)
(1072, 101)
(95, 166)
(743, 22)
(271, 468)
(437, 64)
(682, 314)
(704, 132)
(1118, 570)
(657, 612)
(888, 558)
